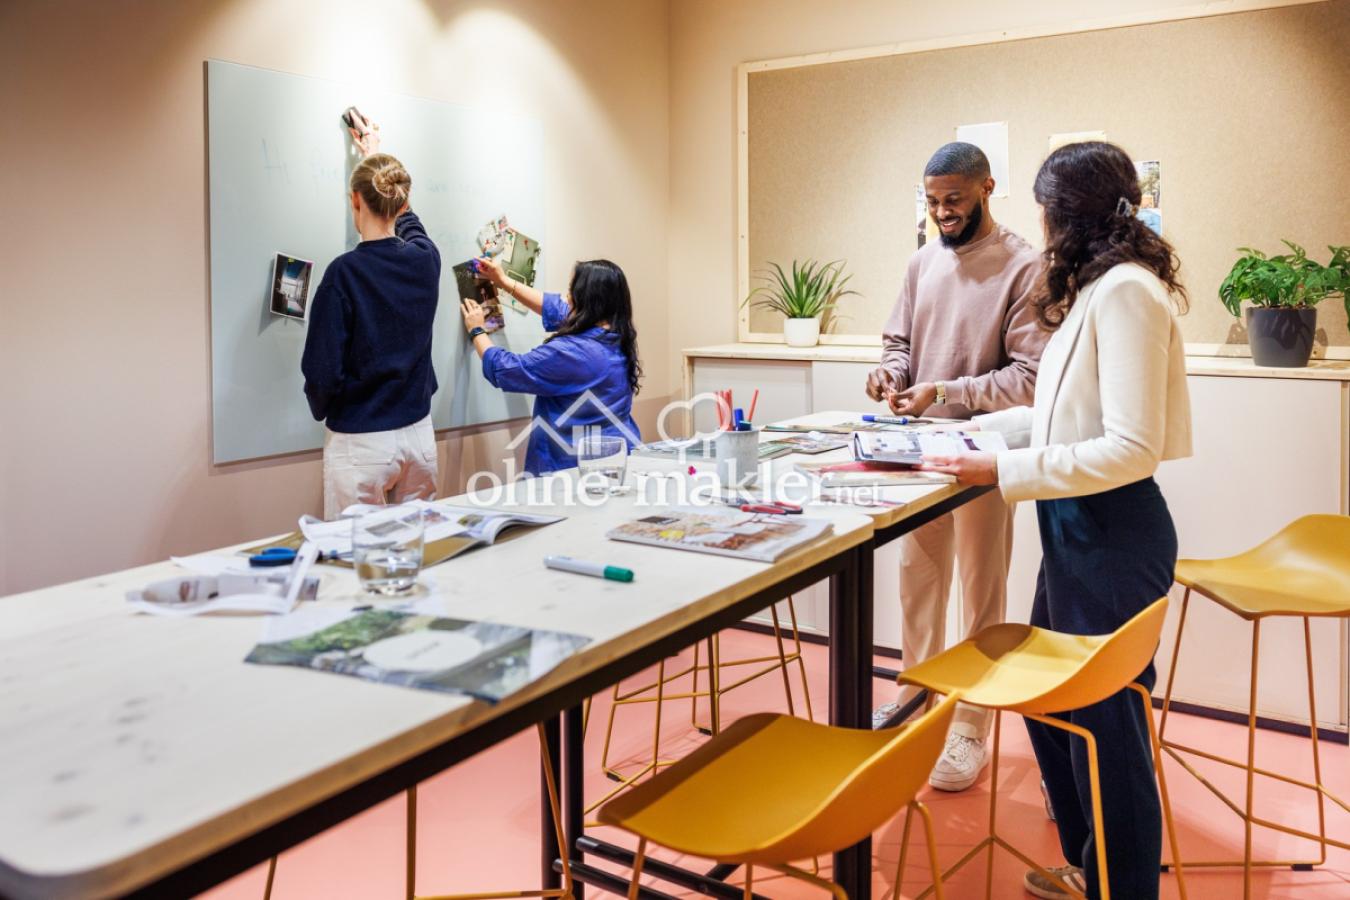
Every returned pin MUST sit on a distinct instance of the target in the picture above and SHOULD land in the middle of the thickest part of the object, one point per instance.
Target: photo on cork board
(290, 286)
(483, 292)
(1150, 191)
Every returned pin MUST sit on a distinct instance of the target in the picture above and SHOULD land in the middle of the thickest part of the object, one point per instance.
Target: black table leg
(574, 789)
(548, 837)
(851, 689)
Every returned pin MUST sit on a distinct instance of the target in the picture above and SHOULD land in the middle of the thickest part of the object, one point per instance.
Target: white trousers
(378, 467)
(979, 535)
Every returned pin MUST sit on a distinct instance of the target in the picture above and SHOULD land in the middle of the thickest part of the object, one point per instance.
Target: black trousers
(1105, 558)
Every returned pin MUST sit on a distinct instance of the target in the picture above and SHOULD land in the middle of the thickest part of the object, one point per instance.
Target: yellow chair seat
(1035, 671)
(772, 788)
(1304, 570)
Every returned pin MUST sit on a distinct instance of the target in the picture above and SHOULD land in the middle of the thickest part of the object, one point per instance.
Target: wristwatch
(941, 389)
(477, 331)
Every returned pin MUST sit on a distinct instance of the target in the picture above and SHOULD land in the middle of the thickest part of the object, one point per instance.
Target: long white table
(141, 755)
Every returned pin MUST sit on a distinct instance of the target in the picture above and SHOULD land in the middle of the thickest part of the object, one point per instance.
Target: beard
(965, 234)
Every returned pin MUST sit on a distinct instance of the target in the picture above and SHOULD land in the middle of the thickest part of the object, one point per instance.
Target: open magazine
(224, 588)
(425, 651)
(725, 532)
(908, 448)
(853, 473)
(450, 530)
(707, 449)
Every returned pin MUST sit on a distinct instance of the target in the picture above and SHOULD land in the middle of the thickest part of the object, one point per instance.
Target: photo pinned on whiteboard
(992, 138)
(1150, 191)
(517, 253)
(922, 223)
(1073, 137)
(483, 292)
(290, 286)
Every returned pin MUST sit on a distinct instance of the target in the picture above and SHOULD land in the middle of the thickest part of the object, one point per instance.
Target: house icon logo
(587, 397)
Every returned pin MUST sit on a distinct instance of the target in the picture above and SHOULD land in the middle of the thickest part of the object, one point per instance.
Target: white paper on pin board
(992, 138)
(1073, 137)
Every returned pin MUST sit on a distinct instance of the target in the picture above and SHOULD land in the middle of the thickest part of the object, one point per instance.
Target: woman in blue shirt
(584, 375)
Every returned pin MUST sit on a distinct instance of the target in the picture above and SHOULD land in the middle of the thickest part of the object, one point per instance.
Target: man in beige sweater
(961, 340)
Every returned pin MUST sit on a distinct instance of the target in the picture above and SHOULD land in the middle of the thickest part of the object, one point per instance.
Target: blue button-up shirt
(580, 381)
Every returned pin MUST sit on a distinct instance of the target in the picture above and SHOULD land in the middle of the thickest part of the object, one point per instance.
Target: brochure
(910, 447)
(725, 532)
(863, 474)
(275, 591)
(428, 652)
(707, 449)
(450, 530)
(472, 287)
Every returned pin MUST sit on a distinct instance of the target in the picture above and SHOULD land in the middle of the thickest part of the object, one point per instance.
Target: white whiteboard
(279, 159)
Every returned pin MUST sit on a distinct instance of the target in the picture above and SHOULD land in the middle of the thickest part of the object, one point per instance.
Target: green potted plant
(810, 292)
(1284, 292)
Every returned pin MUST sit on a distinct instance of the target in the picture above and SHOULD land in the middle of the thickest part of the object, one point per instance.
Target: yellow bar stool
(659, 692)
(563, 893)
(772, 789)
(1037, 673)
(1302, 571)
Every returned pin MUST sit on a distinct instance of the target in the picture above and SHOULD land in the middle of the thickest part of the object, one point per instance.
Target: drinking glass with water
(603, 462)
(387, 548)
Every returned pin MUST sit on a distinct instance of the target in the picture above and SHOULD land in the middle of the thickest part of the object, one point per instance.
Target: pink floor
(478, 823)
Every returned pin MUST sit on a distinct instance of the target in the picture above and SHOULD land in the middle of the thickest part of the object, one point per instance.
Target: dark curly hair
(1090, 192)
(599, 292)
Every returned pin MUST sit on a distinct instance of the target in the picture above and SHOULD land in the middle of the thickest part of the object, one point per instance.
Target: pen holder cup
(737, 454)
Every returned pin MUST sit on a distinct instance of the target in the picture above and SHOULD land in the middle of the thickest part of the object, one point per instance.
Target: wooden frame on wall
(745, 70)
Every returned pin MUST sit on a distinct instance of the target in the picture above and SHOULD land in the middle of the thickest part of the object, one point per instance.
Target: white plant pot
(801, 332)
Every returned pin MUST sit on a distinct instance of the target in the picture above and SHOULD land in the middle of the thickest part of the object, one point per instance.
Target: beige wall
(104, 368)
(709, 38)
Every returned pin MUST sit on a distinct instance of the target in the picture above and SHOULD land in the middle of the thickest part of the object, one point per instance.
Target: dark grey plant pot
(1281, 337)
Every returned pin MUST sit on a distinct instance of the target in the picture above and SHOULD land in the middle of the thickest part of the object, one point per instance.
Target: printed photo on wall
(483, 292)
(518, 254)
(1150, 189)
(920, 216)
(290, 286)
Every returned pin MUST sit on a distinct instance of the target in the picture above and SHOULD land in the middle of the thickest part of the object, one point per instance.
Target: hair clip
(1125, 208)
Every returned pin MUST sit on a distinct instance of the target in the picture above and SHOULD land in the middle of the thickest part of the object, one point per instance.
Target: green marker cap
(615, 573)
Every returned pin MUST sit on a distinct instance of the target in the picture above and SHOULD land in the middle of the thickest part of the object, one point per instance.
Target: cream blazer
(1111, 397)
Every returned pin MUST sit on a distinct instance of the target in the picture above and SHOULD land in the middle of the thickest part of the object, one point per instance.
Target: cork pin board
(1247, 112)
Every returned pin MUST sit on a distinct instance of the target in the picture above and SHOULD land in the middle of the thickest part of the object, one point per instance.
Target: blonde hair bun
(383, 183)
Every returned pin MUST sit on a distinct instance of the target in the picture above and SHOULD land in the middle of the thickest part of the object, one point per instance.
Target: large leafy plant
(812, 289)
(1290, 281)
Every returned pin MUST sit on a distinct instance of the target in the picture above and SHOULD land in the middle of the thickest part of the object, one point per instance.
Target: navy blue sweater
(367, 360)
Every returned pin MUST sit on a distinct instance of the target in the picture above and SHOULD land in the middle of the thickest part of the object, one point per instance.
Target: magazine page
(335, 537)
(855, 473)
(726, 532)
(910, 447)
(484, 524)
(432, 653)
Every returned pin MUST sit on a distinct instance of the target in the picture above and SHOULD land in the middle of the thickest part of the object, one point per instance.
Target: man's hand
(914, 401)
(880, 384)
(975, 467)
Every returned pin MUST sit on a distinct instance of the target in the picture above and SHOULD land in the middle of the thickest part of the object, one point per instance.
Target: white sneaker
(960, 764)
(1038, 885)
(882, 714)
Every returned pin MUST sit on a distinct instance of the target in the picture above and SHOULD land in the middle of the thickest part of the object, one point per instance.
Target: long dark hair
(1090, 193)
(600, 294)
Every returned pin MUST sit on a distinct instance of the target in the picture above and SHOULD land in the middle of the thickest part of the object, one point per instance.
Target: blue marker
(737, 416)
(889, 420)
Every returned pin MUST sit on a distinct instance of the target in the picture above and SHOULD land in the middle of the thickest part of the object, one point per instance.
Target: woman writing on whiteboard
(584, 376)
(367, 359)
(1111, 404)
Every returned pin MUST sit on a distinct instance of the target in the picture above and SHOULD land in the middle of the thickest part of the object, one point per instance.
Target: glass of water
(387, 548)
(603, 462)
